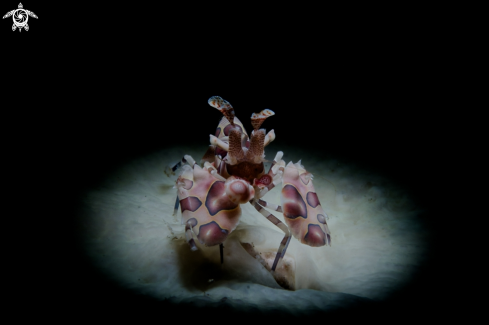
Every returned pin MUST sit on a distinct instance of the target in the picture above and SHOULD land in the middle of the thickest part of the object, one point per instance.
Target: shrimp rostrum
(232, 173)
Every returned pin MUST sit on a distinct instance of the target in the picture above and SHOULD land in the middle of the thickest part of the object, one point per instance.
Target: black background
(92, 87)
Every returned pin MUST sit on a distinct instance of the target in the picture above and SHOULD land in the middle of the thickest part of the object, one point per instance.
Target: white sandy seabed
(377, 242)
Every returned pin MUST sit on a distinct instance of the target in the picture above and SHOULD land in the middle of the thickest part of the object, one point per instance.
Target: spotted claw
(303, 212)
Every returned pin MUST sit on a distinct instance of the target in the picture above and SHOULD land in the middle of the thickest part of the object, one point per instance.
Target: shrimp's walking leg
(189, 234)
(177, 204)
(221, 247)
(270, 206)
(285, 242)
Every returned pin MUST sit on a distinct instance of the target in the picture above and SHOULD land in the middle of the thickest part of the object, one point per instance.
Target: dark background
(87, 93)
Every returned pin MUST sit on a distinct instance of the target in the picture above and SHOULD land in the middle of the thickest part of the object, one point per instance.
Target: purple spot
(190, 222)
(216, 201)
(312, 199)
(190, 203)
(188, 184)
(315, 236)
(228, 128)
(321, 219)
(211, 234)
(295, 206)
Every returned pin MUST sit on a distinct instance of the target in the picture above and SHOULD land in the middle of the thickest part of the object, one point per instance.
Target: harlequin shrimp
(232, 173)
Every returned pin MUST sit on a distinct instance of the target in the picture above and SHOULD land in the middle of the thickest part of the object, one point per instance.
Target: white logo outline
(20, 17)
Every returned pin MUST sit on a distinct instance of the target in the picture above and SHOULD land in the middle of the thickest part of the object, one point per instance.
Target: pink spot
(238, 190)
(238, 187)
(264, 180)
